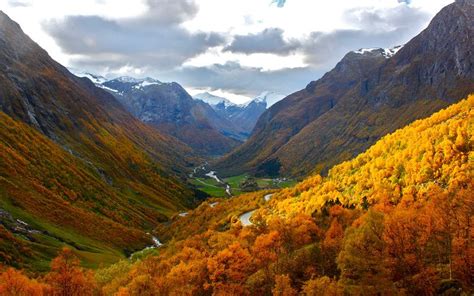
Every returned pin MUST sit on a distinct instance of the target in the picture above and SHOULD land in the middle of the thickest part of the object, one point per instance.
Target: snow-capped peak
(261, 98)
(385, 52)
(366, 50)
(146, 82)
(138, 83)
(390, 52)
(128, 79)
(96, 79)
(212, 99)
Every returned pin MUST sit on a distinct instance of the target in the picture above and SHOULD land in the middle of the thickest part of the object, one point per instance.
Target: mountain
(96, 79)
(170, 109)
(368, 94)
(212, 99)
(395, 220)
(76, 166)
(243, 116)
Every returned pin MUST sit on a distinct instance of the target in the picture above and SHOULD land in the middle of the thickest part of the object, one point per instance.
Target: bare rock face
(368, 94)
(243, 117)
(169, 108)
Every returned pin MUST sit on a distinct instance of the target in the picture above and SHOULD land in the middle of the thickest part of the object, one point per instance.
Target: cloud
(19, 3)
(373, 28)
(247, 81)
(399, 17)
(170, 11)
(163, 40)
(268, 41)
(153, 39)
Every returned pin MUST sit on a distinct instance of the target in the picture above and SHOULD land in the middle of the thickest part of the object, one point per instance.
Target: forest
(395, 220)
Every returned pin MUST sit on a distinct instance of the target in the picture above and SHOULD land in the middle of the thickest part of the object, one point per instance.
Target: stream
(244, 218)
(212, 174)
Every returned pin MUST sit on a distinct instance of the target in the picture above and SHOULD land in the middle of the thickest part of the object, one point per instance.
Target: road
(245, 217)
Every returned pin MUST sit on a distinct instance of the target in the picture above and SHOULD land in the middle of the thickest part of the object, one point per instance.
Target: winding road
(244, 220)
(245, 217)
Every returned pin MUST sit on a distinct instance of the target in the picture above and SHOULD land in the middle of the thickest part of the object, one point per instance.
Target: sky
(232, 48)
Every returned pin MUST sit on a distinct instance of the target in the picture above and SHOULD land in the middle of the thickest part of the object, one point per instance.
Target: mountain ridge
(244, 116)
(351, 106)
(122, 172)
(214, 125)
(169, 108)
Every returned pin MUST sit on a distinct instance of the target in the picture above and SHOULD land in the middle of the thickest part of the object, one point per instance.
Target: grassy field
(51, 239)
(215, 189)
(209, 186)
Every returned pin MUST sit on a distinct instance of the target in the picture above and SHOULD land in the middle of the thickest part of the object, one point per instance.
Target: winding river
(244, 218)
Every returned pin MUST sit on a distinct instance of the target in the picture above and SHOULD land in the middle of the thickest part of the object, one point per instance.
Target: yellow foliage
(436, 150)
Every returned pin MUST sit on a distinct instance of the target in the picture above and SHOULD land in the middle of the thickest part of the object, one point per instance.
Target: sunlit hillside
(397, 219)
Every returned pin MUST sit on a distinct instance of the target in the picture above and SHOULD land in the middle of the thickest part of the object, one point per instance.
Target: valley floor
(209, 182)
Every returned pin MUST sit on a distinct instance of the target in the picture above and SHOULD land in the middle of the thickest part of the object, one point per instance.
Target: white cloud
(267, 62)
(238, 99)
(324, 30)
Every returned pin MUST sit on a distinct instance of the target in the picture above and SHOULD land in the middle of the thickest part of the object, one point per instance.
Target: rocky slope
(170, 109)
(368, 94)
(243, 116)
(74, 161)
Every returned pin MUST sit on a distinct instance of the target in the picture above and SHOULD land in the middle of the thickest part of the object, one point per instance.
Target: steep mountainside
(102, 178)
(367, 95)
(397, 219)
(243, 116)
(169, 108)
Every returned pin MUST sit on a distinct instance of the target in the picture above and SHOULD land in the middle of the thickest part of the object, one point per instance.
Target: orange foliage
(395, 220)
(68, 278)
(283, 286)
(15, 283)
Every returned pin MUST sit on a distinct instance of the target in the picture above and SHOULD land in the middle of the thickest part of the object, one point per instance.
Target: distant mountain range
(211, 125)
(244, 116)
(370, 93)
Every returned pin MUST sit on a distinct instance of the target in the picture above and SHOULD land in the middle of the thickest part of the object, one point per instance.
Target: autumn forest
(397, 219)
(362, 183)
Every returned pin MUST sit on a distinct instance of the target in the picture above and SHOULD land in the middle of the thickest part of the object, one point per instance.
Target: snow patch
(267, 97)
(385, 52)
(96, 79)
(128, 79)
(147, 82)
(108, 88)
(390, 52)
(366, 50)
(213, 100)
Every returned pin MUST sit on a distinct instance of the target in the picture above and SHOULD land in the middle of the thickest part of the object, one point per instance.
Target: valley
(115, 179)
(211, 184)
